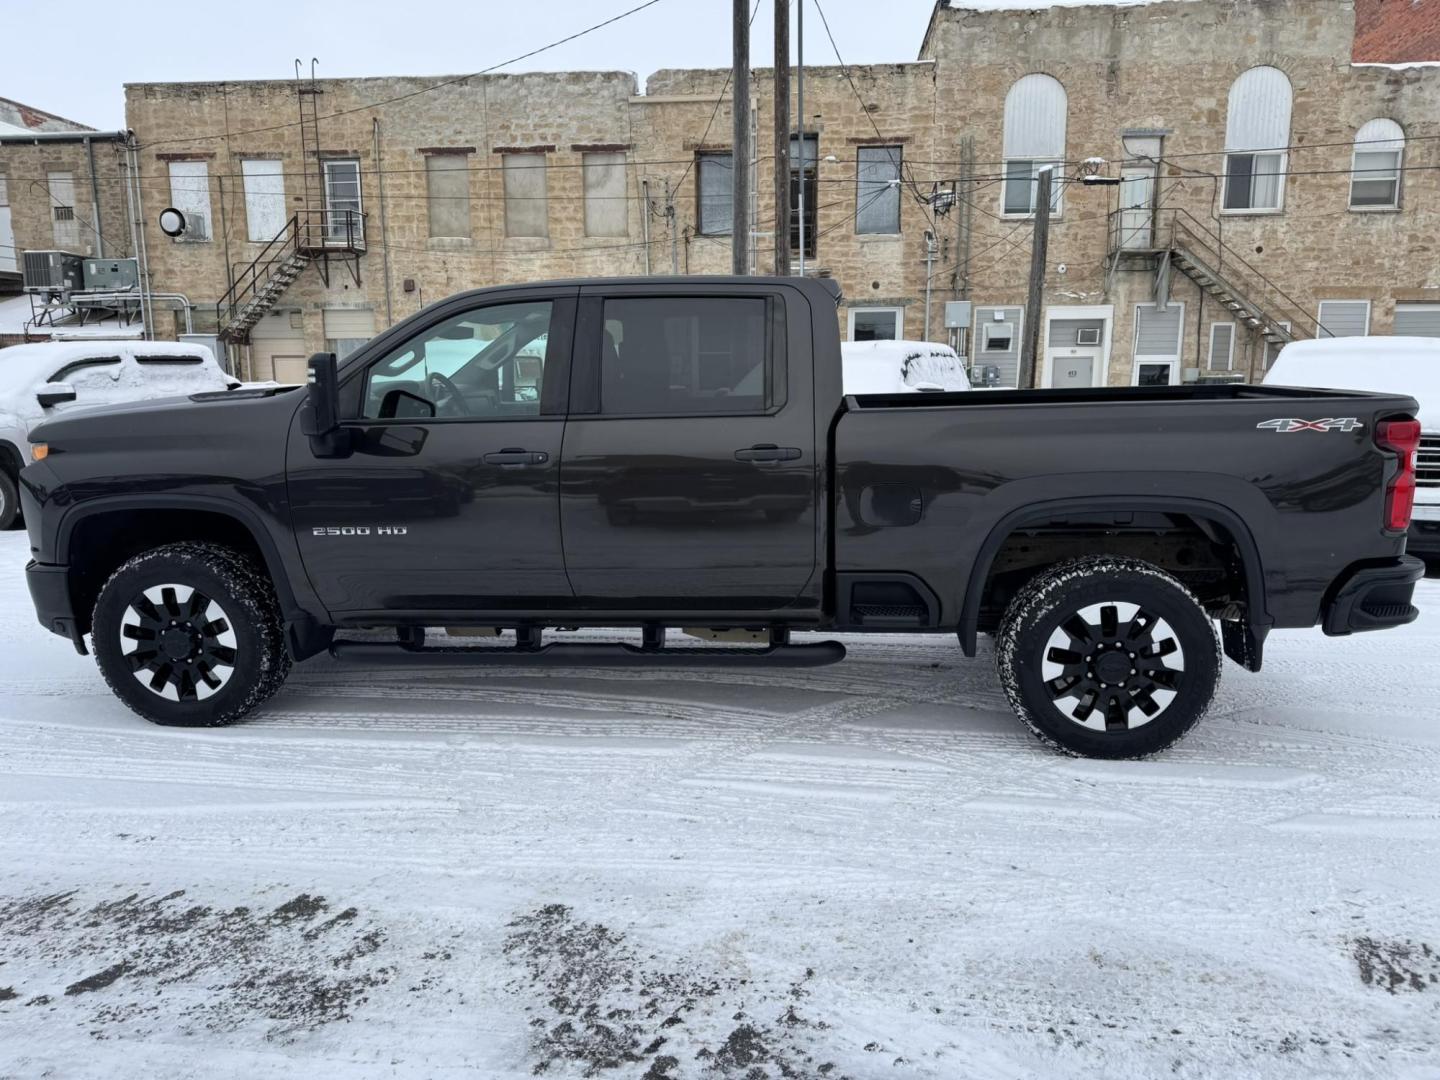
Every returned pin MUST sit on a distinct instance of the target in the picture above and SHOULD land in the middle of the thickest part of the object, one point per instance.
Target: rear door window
(682, 356)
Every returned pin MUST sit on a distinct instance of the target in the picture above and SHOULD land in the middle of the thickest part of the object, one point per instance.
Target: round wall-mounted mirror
(172, 221)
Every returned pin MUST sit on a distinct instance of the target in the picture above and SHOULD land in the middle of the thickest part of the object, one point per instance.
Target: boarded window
(64, 223)
(607, 209)
(715, 176)
(1157, 331)
(1417, 320)
(1344, 318)
(447, 186)
(877, 189)
(526, 212)
(190, 194)
(264, 199)
(1222, 346)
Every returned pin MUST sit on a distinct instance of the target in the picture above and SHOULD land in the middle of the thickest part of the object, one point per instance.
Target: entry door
(448, 499)
(1072, 367)
(1137, 208)
(688, 479)
(342, 202)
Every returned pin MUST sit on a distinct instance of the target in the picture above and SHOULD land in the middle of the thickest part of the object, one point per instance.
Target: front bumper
(50, 591)
(1374, 597)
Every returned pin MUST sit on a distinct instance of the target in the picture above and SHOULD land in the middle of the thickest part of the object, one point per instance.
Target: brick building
(1277, 166)
(61, 186)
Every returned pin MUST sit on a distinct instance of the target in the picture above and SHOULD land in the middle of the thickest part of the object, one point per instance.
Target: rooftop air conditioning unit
(111, 274)
(51, 271)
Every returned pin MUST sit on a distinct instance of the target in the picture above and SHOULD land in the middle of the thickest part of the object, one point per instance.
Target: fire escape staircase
(315, 234)
(1177, 241)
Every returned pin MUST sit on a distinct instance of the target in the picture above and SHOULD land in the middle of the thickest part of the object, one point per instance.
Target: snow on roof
(893, 367)
(16, 312)
(1391, 365)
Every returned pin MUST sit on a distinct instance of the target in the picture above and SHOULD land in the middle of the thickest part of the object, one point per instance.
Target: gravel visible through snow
(869, 870)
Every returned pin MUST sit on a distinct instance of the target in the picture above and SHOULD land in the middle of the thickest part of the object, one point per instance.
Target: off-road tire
(1034, 640)
(9, 501)
(252, 620)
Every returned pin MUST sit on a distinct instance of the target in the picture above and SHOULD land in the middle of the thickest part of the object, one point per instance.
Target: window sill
(879, 238)
(1275, 212)
(1376, 209)
(449, 243)
(1054, 217)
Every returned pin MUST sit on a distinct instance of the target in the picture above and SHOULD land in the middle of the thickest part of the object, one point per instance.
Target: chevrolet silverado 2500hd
(678, 452)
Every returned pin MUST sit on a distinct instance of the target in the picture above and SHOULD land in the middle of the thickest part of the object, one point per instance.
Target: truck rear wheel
(190, 635)
(1108, 657)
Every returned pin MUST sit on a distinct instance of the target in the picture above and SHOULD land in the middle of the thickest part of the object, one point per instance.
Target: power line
(416, 93)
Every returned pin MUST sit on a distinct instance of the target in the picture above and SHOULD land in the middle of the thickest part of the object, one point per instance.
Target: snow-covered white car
(40, 380)
(901, 367)
(1401, 365)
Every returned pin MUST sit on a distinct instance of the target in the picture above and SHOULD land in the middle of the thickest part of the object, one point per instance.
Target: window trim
(590, 326)
(1320, 322)
(1396, 176)
(173, 361)
(1254, 211)
(554, 395)
(1057, 201)
(82, 364)
(898, 309)
(1210, 348)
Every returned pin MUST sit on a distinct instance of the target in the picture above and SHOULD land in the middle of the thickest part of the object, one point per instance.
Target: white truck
(1401, 365)
(40, 380)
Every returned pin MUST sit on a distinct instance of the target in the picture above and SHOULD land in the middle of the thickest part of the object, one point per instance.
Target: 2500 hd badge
(359, 530)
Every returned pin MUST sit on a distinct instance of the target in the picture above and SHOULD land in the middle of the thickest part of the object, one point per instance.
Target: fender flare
(296, 607)
(1259, 620)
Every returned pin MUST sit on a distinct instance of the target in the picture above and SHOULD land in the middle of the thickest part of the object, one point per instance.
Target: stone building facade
(1241, 222)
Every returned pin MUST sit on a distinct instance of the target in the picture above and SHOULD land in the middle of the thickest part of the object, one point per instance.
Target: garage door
(346, 329)
(277, 348)
(1417, 320)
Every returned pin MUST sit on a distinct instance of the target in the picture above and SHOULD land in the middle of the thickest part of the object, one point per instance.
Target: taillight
(1403, 438)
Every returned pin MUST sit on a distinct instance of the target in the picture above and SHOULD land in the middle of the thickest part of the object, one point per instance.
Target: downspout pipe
(95, 200)
(384, 239)
(144, 253)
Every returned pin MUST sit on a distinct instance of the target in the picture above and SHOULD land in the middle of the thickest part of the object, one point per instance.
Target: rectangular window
(877, 189)
(997, 337)
(679, 356)
(1344, 318)
(877, 324)
(447, 190)
(483, 364)
(607, 207)
(1254, 181)
(64, 226)
(343, 224)
(1414, 320)
(346, 329)
(190, 194)
(1022, 182)
(1375, 183)
(715, 180)
(264, 199)
(526, 195)
(803, 180)
(1222, 346)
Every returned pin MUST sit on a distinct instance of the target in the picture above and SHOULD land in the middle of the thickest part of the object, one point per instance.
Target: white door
(1071, 366)
(342, 202)
(1137, 208)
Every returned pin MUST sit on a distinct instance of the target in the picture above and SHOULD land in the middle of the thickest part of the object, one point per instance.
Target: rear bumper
(50, 592)
(1374, 597)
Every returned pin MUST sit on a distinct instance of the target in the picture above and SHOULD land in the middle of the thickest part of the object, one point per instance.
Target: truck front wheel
(1108, 657)
(190, 635)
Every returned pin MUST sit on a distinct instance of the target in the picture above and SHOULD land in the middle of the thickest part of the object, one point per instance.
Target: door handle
(765, 453)
(513, 456)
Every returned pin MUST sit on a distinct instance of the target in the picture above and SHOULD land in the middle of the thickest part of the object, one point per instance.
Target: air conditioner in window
(196, 227)
(1088, 336)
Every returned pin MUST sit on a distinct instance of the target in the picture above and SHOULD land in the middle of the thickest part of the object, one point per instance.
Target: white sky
(106, 45)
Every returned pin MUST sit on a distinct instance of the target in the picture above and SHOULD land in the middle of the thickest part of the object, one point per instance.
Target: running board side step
(586, 654)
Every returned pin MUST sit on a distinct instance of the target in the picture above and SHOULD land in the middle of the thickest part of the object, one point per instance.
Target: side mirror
(55, 393)
(321, 415)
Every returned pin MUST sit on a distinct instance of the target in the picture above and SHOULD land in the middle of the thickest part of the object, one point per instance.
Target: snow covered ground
(862, 871)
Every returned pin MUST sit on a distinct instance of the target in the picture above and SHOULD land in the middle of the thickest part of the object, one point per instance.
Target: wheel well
(11, 461)
(1200, 552)
(101, 542)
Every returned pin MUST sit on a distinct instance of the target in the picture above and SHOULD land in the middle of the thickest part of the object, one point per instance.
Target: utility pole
(1035, 299)
(740, 153)
(800, 124)
(782, 138)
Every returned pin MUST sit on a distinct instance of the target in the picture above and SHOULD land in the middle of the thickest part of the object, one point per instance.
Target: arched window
(1257, 129)
(1375, 171)
(1035, 111)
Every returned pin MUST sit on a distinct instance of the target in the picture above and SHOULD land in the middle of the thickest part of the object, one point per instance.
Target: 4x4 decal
(1335, 423)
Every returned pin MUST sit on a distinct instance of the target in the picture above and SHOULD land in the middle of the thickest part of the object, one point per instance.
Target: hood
(203, 417)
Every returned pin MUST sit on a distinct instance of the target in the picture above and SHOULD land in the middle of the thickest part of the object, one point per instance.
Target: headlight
(39, 451)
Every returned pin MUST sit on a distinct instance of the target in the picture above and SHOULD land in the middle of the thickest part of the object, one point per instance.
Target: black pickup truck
(678, 453)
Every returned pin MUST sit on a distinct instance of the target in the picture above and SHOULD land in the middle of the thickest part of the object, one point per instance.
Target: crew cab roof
(1387, 365)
